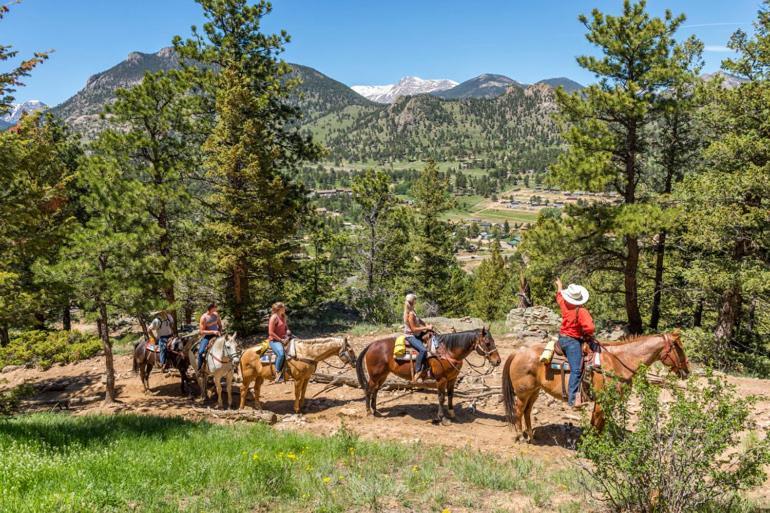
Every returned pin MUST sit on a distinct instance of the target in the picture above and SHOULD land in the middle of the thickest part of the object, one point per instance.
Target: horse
(220, 359)
(300, 369)
(377, 359)
(145, 361)
(524, 375)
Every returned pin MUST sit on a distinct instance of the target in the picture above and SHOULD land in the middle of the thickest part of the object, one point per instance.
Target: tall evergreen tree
(726, 205)
(159, 126)
(608, 133)
(492, 295)
(256, 145)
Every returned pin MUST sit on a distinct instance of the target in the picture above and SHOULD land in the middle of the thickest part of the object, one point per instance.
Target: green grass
(57, 462)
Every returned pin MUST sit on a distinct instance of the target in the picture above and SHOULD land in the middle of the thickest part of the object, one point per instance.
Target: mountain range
(489, 117)
(18, 110)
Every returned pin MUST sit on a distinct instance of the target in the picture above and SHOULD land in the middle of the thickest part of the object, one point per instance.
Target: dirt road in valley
(480, 423)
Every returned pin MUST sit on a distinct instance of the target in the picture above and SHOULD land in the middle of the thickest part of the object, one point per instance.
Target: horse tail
(509, 394)
(361, 369)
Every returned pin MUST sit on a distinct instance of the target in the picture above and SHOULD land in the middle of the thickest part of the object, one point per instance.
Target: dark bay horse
(378, 362)
(176, 352)
(524, 375)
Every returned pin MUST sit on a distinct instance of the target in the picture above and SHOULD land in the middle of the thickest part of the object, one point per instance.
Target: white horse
(220, 361)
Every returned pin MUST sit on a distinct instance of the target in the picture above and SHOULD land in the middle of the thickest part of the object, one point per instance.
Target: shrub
(682, 455)
(44, 348)
(702, 347)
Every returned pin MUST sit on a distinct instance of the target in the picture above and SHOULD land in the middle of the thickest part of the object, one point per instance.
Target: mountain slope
(487, 85)
(569, 85)
(407, 86)
(317, 95)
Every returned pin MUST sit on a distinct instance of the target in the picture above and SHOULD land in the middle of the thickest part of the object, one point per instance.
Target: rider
(162, 329)
(415, 329)
(278, 334)
(577, 327)
(210, 326)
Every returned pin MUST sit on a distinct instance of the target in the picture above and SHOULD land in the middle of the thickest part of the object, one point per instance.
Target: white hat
(575, 294)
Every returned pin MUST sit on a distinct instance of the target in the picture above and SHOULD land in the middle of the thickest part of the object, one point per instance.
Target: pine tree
(434, 265)
(726, 204)
(607, 127)
(255, 208)
(491, 287)
(158, 129)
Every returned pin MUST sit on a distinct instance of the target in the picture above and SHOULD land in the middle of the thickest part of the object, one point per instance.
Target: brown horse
(524, 375)
(378, 361)
(145, 361)
(300, 369)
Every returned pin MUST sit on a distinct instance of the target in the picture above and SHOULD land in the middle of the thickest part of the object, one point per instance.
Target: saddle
(591, 361)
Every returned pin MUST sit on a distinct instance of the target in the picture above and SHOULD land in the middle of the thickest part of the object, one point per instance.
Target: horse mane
(461, 339)
(630, 339)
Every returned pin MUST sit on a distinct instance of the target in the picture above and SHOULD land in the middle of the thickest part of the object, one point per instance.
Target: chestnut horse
(524, 375)
(145, 360)
(378, 361)
(300, 369)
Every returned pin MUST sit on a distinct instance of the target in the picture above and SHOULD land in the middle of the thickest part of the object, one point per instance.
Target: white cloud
(717, 48)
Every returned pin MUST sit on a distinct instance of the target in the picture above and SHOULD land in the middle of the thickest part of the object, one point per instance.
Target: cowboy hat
(575, 294)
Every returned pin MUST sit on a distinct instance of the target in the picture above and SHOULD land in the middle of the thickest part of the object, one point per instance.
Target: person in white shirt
(162, 329)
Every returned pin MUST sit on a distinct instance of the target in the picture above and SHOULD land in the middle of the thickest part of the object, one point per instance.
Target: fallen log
(64, 402)
(247, 415)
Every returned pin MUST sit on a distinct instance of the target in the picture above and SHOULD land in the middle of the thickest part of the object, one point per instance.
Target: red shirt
(276, 328)
(576, 321)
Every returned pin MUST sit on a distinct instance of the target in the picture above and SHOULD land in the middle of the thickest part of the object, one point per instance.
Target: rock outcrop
(533, 324)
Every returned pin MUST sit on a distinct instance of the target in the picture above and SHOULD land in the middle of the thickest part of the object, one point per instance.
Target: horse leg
(441, 395)
(450, 390)
(528, 417)
(246, 377)
(304, 389)
(257, 388)
(218, 386)
(519, 407)
(297, 396)
(597, 417)
(229, 381)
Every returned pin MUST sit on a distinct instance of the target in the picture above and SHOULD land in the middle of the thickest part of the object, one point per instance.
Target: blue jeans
(573, 350)
(416, 343)
(162, 344)
(202, 349)
(280, 354)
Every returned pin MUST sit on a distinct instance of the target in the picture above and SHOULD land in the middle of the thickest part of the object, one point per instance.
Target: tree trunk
(372, 253)
(143, 325)
(240, 293)
(109, 363)
(524, 292)
(697, 316)
(188, 312)
(66, 318)
(631, 286)
(660, 250)
(5, 339)
(729, 315)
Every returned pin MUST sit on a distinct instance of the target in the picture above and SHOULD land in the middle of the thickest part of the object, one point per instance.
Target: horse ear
(484, 330)
(233, 336)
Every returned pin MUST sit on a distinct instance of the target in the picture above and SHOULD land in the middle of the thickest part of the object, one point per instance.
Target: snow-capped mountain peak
(18, 110)
(407, 86)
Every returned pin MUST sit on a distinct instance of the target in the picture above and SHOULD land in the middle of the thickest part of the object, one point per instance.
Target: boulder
(533, 324)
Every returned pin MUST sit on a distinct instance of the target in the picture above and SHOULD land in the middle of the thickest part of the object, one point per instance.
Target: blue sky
(354, 41)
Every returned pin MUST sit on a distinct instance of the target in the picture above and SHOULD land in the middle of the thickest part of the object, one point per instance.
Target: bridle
(671, 354)
(345, 354)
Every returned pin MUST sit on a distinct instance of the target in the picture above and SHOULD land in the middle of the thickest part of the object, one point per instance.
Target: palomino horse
(300, 369)
(378, 361)
(524, 375)
(220, 361)
(145, 361)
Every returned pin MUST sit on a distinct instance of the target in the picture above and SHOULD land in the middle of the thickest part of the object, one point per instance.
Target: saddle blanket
(152, 347)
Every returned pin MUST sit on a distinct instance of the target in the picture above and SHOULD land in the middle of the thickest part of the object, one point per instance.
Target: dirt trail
(407, 419)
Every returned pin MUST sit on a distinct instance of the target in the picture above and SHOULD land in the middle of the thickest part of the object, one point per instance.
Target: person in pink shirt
(278, 334)
(577, 326)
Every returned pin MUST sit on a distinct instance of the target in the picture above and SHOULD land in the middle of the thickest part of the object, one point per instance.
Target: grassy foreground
(57, 462)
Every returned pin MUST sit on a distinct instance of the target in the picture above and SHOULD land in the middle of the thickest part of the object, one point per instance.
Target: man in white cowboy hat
(577, 327)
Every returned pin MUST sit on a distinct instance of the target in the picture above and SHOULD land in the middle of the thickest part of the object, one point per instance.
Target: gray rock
(11, 368)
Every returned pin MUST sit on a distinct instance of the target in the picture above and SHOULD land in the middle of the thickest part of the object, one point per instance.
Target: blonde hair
(277, 307)
(408, 307)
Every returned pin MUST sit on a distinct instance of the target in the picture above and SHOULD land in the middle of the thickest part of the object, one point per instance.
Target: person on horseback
(162, 329)
(278, 335)
(210, 326)
(415, 330)
(577, 326)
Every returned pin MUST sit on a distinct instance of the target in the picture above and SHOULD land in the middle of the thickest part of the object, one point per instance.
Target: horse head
(673, 355)
(230, 348)
(485, 346)
(346, 353)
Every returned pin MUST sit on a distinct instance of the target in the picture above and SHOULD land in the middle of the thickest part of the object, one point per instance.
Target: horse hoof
(376, 414)
(451, 415)
(446, 422)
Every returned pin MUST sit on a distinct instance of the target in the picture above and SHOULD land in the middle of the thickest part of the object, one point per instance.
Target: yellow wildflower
(326, 479)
